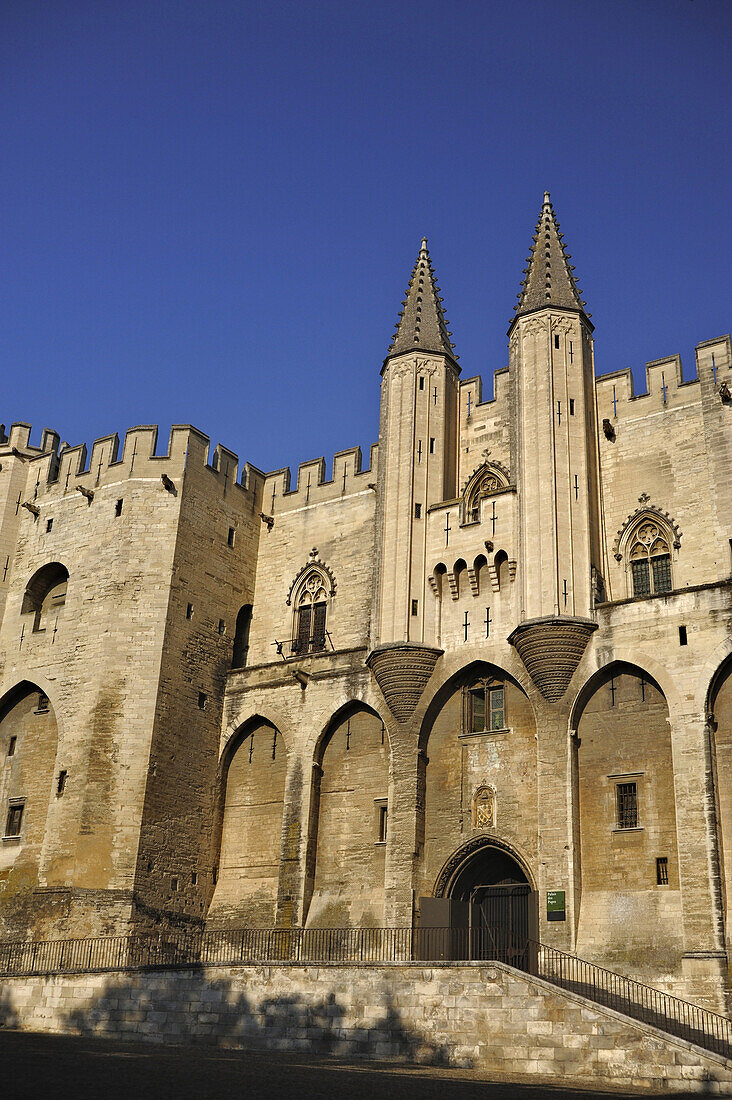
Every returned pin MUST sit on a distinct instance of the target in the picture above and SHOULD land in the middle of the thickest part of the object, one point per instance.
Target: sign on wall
(555, 905)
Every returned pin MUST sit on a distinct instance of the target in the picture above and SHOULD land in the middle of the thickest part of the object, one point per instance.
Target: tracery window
(650, 559)
(484, 708)
(486, 485)
(485, 481)
(310, 615)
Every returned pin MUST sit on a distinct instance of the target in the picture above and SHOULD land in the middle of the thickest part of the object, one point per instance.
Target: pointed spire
(549, 277)
(422, 325)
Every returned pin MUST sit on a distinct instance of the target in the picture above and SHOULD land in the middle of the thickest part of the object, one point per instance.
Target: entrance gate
(488, 911)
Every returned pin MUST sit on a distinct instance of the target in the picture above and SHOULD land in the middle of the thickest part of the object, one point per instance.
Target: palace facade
(484, 680)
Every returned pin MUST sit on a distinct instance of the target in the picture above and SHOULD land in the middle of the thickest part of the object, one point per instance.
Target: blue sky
(211, 209)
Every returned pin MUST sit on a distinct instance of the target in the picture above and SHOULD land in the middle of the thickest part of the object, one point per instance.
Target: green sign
(555, 905)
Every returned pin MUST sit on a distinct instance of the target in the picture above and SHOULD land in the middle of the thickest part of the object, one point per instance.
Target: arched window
(484, 706)
(311, 606)
(488, 479)
(649, 555)
(241, 637)
(45, 595)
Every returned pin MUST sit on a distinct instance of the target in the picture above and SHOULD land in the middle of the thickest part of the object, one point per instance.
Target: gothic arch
(456, 863)
(460, 678)
(651, 514)
(314, 566)
(489, 478)
(249, 816)
(345, 861)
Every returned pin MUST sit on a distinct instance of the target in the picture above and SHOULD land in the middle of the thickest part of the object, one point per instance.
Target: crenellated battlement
(57, 467)
(666, 387)
(311, 486)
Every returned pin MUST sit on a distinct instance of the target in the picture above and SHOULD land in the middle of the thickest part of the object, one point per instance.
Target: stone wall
(483, 1016)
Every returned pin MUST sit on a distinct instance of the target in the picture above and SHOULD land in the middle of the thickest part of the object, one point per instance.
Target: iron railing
(240, 946)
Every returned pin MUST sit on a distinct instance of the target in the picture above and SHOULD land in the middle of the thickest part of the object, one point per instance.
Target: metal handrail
(241, 946)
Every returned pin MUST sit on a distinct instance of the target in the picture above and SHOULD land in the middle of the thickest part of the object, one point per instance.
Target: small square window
(43, 704)
(222, 626)
(231, 536)
(189, 611)
(49, 525)
(61, 785)
(118, 508)
(14, 819)
(662, 871)
(415, 607)
(11, 746)
(418, 511)
(626, 795)
(202, 700)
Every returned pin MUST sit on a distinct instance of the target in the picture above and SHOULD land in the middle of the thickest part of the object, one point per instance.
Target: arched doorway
(484, 906)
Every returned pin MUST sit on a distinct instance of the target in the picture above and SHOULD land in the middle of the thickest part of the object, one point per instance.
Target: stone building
(485, 680)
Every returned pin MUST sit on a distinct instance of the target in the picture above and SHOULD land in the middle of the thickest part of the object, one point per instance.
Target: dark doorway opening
(488, 911)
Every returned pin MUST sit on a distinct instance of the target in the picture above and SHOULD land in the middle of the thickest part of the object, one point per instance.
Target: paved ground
(41, 1066)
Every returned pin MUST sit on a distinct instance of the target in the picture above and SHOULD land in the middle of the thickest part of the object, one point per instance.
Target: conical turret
(549, 278)
(422, 325)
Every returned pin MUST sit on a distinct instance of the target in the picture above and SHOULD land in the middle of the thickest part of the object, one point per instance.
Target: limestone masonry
(484, 681)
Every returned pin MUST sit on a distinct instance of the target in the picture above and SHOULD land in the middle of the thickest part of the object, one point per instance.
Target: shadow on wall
(188, 1007)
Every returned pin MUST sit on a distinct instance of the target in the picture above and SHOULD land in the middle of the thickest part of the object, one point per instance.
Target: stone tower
(418, 435)
(555, 454)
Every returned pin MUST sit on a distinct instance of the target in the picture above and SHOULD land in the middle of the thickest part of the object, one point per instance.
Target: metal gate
(501, 922)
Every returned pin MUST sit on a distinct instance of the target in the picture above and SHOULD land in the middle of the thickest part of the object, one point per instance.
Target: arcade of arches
(476, 782)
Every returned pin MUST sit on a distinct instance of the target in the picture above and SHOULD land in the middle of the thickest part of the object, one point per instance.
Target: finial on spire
(422, 325)
(547, 199)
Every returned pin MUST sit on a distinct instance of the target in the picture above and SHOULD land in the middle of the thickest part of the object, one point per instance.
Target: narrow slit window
(418, 511)
(421, 382)
(571, 406)
(11, 746)
(662, 871)
(118, 508)
(49, 525)
(415, 607)
(61, 784)
(231, 537)
(383, 823)
(202, 700)
(43, 704)
(627, 805)
(432, 445)
(174, 884)
(556, 341)
(189, 611)
(222, 626)
(683, 640)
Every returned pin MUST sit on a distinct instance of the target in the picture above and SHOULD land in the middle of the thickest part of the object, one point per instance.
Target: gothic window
(483, 482)
(310, 615)
(483, 809)
(650, 559)
(484, 707)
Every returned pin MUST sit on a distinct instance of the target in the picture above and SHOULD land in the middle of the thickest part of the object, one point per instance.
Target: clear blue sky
(211, 209)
